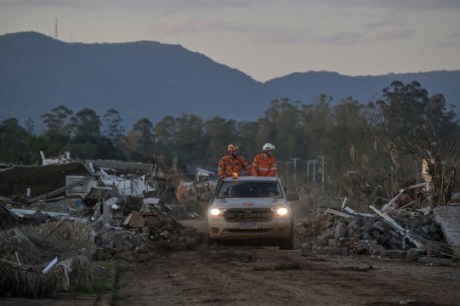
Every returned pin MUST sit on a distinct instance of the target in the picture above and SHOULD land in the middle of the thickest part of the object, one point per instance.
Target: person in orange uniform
(264, 163)
(231, 164)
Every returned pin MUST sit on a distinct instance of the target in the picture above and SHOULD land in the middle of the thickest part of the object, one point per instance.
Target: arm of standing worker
(254, 167)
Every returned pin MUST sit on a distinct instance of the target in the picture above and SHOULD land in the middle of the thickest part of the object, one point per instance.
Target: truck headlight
(215, 212)
(282, 211)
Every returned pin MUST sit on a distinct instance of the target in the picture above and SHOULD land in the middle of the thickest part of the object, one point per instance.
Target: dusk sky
(263, 38)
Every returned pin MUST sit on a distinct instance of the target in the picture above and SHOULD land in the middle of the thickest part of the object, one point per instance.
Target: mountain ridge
(150, 79)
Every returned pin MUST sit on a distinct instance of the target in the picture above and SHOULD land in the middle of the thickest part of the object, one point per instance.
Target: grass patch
(96, 287)
(110, 266)
(104, 274)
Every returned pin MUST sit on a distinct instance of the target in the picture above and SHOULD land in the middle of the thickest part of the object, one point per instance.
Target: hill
(307, 86)
(152, 80)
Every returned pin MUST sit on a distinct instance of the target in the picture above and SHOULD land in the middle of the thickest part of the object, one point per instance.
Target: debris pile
(142, 236)
(408, 234)
(36, 282)
(39, 261)
(73, 214)
(135, 230)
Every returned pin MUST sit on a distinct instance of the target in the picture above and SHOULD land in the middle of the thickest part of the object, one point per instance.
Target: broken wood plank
(354, 213)
(338, 213)
(390, 205)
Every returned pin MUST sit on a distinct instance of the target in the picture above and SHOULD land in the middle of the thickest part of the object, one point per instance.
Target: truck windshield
(250, 190)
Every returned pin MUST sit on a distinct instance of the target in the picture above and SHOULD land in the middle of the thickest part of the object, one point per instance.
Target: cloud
(283, 37)
(181, 5)
(452, 40)
(203, 25)
(392, 33)
(352, 38)
(329, 22)
(266, 33)
(345, 38)
(160, 5)
(193, 26)
(392, 4)
(379, 24)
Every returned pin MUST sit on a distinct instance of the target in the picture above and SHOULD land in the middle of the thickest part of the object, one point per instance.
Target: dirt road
(246, 275)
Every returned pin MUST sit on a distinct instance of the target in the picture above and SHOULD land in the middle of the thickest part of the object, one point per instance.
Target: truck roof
(253, 178)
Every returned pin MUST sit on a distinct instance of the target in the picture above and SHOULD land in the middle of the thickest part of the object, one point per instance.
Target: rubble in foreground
(406, 234)
(74, 215)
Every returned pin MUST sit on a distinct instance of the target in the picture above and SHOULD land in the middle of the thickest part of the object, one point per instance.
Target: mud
(248, 275)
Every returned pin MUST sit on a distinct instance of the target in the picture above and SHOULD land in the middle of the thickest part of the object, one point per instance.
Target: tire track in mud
(260, 286)
(244, 275)
(308, 283)
(214, 277)
(264, 279)
(267, 276)
(236, 276)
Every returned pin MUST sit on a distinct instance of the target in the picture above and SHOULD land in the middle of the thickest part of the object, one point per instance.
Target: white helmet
(268, 147)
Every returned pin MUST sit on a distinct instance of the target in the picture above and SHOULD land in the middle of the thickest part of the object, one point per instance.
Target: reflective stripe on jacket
(229, 164)
(264, 165)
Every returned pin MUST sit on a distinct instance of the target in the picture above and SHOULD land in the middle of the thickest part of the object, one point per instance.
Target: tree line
(381, 143)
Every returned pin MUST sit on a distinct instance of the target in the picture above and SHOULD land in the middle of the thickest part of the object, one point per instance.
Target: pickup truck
(251, 209)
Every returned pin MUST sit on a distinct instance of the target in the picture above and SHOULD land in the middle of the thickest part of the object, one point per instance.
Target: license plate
(248, 225)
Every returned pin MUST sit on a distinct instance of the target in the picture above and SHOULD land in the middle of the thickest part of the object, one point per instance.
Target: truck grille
(248, 214)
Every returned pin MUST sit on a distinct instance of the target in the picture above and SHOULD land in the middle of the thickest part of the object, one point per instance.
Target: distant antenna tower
(56, 28)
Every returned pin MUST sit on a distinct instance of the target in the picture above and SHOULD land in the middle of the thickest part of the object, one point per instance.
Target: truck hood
(249, 203)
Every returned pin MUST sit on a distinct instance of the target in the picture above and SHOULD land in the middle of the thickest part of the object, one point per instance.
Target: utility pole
(295, 170)
(314, 170)
(311, 161)
(322, 171)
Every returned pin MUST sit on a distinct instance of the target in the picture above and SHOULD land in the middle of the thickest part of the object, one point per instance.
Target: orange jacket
(229, 164)
(264, 165)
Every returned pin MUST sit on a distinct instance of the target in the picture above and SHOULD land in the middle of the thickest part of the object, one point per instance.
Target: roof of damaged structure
(40, 179)
(123, 167)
